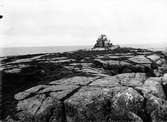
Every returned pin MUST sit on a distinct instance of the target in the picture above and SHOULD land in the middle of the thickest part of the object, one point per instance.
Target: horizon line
(81, 45)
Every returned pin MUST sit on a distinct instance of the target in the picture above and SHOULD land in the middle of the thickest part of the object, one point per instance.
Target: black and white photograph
(83, 60)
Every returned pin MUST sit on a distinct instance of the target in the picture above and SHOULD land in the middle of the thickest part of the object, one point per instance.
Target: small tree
(102, 41)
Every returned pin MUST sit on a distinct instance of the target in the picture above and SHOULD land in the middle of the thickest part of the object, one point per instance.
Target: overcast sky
(79, 22)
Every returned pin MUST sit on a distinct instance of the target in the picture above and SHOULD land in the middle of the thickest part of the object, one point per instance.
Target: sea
(14, 51)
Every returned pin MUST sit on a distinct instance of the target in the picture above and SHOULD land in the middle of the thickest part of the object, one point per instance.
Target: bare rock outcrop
(123, 97)
(124, 84)
(152, 64)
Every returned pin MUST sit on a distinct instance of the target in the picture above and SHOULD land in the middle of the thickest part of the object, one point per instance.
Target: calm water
(35, 50)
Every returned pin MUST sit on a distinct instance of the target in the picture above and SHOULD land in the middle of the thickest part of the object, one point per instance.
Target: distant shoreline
(14, 51)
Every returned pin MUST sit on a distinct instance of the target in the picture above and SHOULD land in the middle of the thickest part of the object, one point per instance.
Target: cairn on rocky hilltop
(104, 43)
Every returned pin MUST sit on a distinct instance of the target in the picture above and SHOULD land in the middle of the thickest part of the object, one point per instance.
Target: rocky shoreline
(124, 84)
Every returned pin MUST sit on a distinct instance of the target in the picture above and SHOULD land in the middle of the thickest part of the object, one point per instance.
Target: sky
(80, 22)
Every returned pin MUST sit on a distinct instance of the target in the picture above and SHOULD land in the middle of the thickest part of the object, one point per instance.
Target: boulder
(157, 108)
(153, 86)
(89, 104)
(126, 104)
(99, 104)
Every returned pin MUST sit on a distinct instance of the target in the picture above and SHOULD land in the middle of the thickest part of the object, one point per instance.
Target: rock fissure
(76, 90)
(165, 89)
(34, 118)
(71, 93)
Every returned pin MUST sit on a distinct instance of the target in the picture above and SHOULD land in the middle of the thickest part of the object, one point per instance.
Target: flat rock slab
(115, 57)
(141, 59)
(131, 79)
(28, 92)
(65, 61)
(25, 60)
(154, 57)
(111, 62)
(60, 91)
(77, 80)
(106, 82)
(94, 72)
(39, 108)
(31, 104)
(43, 102)
(13, 70)
(125, 79)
